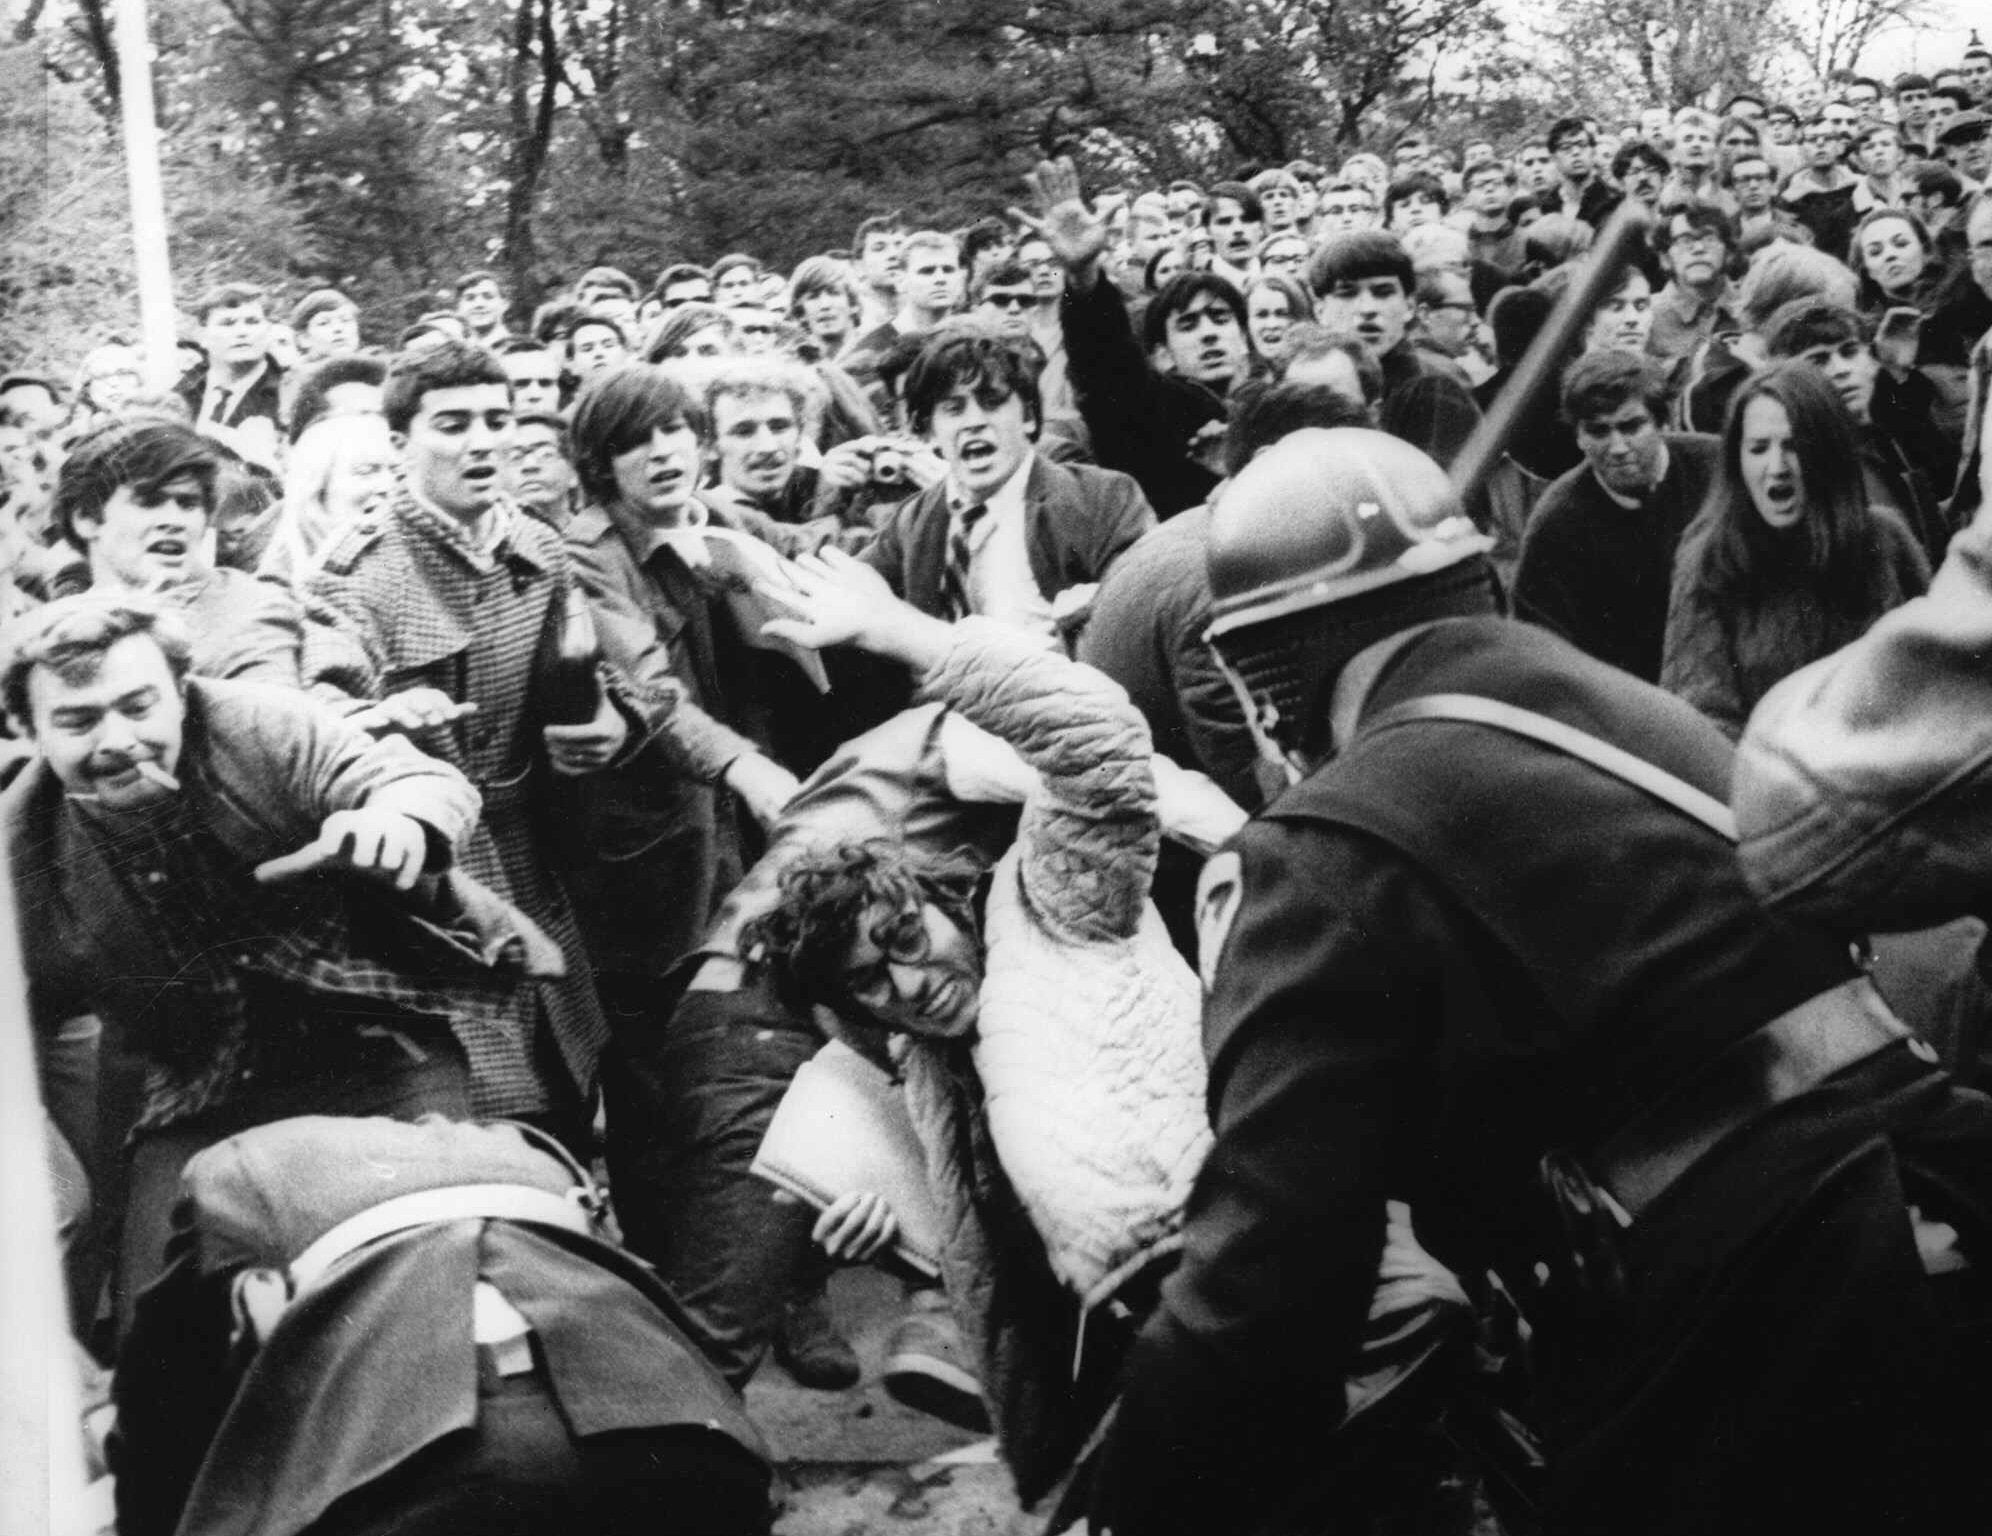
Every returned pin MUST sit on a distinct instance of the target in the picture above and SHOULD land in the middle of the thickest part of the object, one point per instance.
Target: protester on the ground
(1060, 1195)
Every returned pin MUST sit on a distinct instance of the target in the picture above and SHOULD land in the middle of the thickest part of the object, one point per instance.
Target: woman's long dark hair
(1834, 547)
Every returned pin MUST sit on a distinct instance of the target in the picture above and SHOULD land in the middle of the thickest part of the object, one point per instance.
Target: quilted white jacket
(1089, 1050)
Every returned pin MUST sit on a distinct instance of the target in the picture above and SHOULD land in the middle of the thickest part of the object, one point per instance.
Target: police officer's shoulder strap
(1472, 709)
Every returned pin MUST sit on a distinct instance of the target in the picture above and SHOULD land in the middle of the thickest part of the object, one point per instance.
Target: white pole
(148, 201)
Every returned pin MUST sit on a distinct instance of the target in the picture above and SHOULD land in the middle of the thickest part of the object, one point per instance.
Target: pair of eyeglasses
(1010, 300)
(902, 939)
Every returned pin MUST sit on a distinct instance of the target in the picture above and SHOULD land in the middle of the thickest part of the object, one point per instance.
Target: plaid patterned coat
(412, 603)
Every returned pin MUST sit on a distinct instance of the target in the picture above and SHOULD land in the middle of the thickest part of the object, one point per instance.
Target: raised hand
(1077, 234)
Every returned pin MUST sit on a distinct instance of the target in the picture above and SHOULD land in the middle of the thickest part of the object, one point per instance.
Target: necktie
(954, 579)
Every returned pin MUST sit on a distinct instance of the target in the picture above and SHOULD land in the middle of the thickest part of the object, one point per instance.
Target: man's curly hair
(825, 895)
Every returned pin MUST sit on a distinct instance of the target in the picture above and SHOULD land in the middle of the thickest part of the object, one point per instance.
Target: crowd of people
(1382, 1054)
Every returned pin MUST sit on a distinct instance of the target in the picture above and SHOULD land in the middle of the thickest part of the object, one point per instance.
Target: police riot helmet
(1328, 541)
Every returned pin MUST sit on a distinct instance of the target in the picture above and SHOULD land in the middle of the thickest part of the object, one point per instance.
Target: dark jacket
(263, 398)
(377, 1363)
(1077, 522)
(1599, 202)
(660, 837)
(1146, 633)
(1447, 953)
(1141, 422)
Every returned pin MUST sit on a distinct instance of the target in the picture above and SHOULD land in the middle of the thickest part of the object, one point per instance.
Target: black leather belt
(1791, 1055)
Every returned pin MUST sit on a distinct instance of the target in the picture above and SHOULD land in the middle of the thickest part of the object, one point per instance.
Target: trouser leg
(688, 1104)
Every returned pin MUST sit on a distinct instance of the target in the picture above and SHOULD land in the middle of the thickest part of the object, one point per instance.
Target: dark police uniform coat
(1450, 951)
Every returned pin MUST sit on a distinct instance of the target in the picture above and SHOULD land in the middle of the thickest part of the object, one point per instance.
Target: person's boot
(927, 1365)
(809, 1347)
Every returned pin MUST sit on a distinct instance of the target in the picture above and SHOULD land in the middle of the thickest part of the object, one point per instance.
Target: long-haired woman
(1790, 558)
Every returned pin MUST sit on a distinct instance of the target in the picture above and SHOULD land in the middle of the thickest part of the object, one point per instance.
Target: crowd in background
(469, 584)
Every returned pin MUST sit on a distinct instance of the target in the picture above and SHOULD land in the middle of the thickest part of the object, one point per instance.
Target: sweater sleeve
(1698, 661)
(1089, 838)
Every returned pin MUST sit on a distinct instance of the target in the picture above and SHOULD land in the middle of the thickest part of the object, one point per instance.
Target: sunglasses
(1010, 300)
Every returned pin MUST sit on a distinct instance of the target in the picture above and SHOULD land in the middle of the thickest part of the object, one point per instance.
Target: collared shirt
(480, 539)
(1682, 320)
(219, 396)
(1001, 585)
(645, 538)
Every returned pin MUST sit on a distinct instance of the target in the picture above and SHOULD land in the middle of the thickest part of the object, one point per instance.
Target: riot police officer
(1491, 955)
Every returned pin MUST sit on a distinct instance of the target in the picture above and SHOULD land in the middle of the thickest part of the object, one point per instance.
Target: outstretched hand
(1077, 234)
(382, 844)
(836, 600)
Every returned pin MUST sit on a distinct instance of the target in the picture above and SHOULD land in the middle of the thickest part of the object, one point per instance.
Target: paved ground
(857, 1463)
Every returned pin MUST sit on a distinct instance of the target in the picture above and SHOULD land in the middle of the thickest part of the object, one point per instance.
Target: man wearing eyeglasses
(1820, 194)
(539, 467)
(1580, 191)
(1695, 247)
(1344, 207)
(1753, 184)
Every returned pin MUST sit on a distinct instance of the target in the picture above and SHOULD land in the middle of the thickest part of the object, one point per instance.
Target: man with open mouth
(139, 501)
(1008, 534)
(440, 612)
